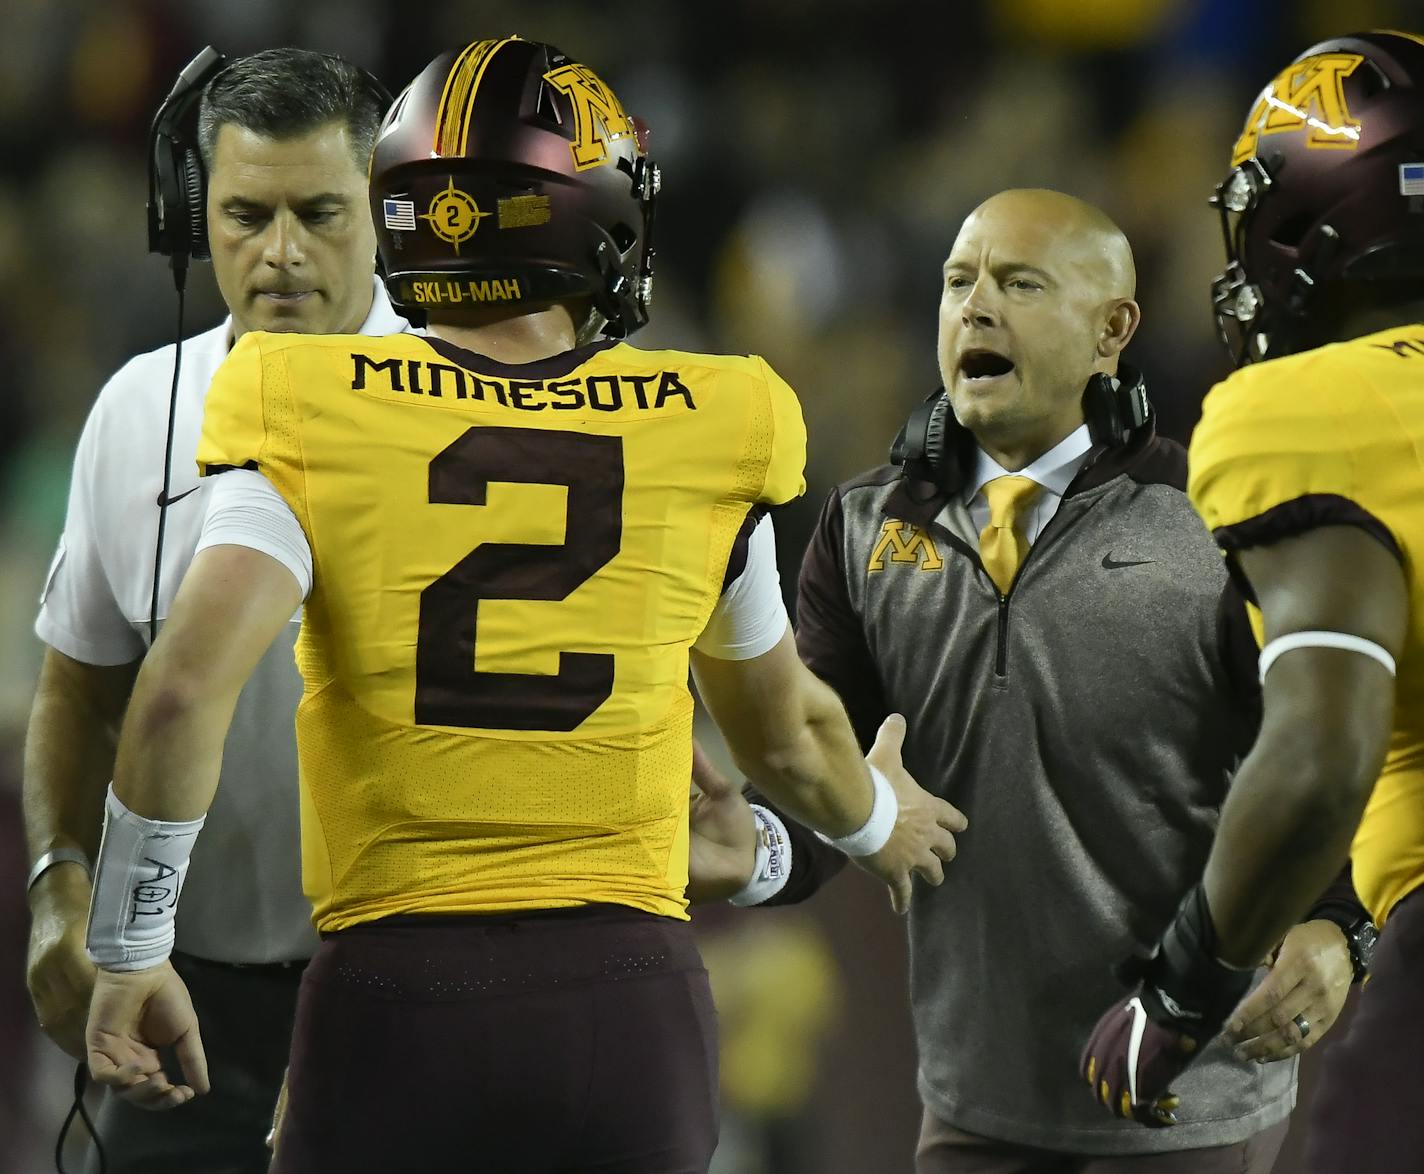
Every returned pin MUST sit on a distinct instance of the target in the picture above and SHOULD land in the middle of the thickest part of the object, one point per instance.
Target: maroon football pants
(1367, 1116)
(581, 1040)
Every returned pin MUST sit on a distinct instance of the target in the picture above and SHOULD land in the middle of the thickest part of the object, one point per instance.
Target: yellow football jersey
(510, 565)
(1336, 435)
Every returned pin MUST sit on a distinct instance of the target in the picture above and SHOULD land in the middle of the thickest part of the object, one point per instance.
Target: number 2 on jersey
(449, 690)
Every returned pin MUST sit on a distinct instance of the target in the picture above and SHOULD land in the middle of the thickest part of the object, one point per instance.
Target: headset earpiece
(195, 202)
(1115, 408)
(177, 184)
(929, 446)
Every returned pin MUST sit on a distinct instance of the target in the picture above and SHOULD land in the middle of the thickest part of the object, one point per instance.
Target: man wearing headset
(1034, 592)
(284, 137)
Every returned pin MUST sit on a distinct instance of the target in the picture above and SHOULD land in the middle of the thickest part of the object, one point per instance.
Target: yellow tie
(1002, 543)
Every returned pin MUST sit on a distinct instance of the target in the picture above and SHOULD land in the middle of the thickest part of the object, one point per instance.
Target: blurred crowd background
(818, 156)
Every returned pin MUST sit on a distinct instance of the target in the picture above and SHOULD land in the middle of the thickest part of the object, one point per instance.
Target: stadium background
(818, 157)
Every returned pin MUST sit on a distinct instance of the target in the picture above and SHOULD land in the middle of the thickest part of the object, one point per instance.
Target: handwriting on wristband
(157, 895)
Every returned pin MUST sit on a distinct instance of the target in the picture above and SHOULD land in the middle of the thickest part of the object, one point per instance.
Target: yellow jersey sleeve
(1293, 444)
(234, 432)
(786, 468)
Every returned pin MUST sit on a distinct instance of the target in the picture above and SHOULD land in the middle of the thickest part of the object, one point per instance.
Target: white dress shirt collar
(1054, 470)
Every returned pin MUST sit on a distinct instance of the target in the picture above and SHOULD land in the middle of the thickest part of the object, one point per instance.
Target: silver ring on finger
(1303, 1023)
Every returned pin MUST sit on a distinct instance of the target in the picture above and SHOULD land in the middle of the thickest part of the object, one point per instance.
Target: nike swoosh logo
(181, 496)
(1134, 1043)
(1110, 564)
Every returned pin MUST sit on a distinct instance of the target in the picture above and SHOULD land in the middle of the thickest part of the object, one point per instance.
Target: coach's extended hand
(722, 840)
(1148, 1039)
(132, 1016)
(1309, 981)
(923, 841)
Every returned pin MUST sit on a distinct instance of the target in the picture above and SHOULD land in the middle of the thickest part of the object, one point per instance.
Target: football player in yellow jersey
(511, 537)
(1308, 465)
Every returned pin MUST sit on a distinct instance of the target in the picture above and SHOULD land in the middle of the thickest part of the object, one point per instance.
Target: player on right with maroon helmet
(1308, 465)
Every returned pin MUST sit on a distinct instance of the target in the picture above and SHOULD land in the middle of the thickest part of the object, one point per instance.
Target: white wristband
(773, 860)
(1341, 640)
(874, 833)
(142, 863)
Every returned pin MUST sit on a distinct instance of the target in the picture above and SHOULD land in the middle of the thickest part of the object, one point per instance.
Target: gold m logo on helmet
(599, 118)
(1306, 94)
(905, 543)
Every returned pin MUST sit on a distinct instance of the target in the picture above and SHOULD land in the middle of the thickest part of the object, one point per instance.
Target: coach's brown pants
(945, 1150)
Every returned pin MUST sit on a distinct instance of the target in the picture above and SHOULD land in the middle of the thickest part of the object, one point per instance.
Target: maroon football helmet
(507, 173)
(1327, 185)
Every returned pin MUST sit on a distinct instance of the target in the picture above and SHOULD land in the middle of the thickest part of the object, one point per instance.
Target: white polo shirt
(243, 899)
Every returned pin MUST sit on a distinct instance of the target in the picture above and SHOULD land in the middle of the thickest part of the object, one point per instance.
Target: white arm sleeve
(750, 617)
(245, 509)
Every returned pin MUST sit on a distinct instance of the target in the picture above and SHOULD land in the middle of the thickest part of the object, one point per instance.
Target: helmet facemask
(1236, 302)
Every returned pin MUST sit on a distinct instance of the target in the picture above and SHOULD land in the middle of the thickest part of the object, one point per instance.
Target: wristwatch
(1360, 936)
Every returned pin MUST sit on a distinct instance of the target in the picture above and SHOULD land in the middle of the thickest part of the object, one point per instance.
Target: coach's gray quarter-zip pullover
(1086, 724)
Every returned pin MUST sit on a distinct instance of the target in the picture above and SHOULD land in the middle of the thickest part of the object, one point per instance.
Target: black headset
(177, 182)
(934, 446)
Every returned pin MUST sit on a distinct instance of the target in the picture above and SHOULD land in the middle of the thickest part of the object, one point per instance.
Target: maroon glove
(1130, 1062)
(1148, 1039)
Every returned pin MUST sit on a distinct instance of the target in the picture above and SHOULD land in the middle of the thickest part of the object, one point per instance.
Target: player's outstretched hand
(132, 1015)
(1131, 1060)
(721, 854)
(923, 840)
